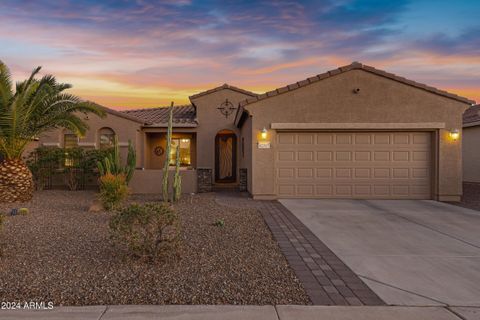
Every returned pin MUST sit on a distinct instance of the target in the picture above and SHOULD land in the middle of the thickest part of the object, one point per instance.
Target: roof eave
(354, 66)
(471, 124)
(222, 87)
(174, 125)
(121, 114)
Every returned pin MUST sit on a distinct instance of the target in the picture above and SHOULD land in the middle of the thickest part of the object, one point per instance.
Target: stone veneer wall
(204, 180)
(243, 179)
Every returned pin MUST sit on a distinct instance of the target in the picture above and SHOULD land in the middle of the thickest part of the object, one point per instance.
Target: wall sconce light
(264, 133)
(454, 134)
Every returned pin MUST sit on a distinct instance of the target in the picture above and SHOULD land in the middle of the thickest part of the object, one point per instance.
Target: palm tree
(35, 106)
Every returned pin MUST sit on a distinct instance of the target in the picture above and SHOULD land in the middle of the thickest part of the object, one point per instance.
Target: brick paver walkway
(326, 279)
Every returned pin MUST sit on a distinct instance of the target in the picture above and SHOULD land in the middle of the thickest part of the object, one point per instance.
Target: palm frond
(6, 93)
(38, 105)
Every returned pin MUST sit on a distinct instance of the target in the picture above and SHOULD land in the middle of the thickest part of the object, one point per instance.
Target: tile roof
(354, 66)
(182, 115)
(472, 115)
(224, 86)
(117, 113)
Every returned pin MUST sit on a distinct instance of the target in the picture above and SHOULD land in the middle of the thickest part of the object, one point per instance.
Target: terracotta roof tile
(303, 83)
(272, 93)
(185, 114)
(358, 66)
(261, 96)
(335, 71)
(252, 99)
(293, 86)
(323, 76)
(117, 113)
(472, 114)
(224, 86)
(282, 89)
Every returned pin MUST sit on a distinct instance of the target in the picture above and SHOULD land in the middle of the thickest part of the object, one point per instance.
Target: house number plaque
(264, 145)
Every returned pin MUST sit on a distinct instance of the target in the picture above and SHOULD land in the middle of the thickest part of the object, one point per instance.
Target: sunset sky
(127, 54)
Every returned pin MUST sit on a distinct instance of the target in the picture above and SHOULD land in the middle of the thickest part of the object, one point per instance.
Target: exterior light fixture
(454, 134)
(264, 133)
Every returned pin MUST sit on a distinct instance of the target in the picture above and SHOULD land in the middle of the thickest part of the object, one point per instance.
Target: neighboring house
(353, 132)
(471, 144)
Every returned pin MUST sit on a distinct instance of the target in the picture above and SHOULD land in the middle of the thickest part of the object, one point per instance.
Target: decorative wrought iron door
(225, 157)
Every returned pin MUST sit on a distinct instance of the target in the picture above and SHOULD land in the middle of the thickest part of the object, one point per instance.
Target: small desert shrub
(219, 223)
(23, 211)
(148, 231)
(113, 190)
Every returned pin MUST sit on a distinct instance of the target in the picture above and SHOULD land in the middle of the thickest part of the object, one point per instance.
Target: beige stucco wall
(211, 121)
(246, 158)
(125, 129)
(380, 100)
(471, 154)
(150, 181)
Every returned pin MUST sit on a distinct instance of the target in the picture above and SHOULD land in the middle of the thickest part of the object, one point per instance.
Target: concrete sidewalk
(178, 312)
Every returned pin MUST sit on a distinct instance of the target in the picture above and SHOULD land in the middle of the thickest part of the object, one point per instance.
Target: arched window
(106, 138)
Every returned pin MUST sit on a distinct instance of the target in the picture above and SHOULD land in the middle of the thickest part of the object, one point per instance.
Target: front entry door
(225, 157)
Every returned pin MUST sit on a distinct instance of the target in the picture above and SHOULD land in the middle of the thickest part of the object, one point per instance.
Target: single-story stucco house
(353, 132)
(471, 144)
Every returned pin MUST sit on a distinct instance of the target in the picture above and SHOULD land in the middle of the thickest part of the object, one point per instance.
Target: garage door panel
(305, 138)
(385, 165)
(343, 138)
(323, 139)
(324, 190)
(305, 155)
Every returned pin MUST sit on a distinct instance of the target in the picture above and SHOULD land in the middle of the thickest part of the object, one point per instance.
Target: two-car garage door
(359, 165)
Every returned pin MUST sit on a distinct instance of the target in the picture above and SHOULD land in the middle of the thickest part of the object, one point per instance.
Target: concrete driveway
(410, 252)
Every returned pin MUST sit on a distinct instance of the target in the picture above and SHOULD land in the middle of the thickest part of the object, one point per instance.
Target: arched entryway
(225, 156)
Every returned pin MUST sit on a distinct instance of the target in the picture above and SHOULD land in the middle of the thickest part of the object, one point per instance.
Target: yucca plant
(33, 107)
(111, 164)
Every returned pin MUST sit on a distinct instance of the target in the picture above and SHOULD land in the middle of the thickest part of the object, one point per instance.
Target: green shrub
(219, 223)
(78, 166)
(23, 211)
(113, 190)
(148, 231)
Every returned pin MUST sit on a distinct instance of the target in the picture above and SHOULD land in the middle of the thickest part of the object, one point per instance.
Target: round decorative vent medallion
(159, 151)
(226, 108)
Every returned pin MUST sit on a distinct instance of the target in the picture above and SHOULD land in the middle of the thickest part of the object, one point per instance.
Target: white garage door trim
(354, 165)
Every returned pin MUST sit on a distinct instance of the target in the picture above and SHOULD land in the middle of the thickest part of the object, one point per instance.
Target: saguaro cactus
(177, 180)
(167, 155)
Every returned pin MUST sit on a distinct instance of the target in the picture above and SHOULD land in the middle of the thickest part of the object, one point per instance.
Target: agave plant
(33, 107)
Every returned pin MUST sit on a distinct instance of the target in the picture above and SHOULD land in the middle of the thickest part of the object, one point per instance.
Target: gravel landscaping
(62, 253)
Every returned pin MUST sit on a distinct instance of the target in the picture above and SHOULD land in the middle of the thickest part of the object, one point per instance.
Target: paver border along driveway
(326, 279)
(410, 252)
